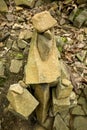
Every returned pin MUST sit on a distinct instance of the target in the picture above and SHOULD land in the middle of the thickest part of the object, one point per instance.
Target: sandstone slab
(43, 21)
(3, 6)
(42, 94)
(59, 124)
(23, 104)
(38, 71)
(80, 123)
(29, 3)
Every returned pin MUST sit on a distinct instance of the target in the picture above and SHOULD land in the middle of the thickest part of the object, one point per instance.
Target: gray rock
(23, 103)
(80, 123)
(43, 21)
(16, 88)
(29, 3)
(15, 65)
(42, 93)
(22, 44)
(59, 124)
(44, 46)
(80, 19)
(3, 6)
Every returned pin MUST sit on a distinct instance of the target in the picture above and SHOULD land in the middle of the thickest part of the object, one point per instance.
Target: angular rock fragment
(80, 123)
(29, 3)
(44, 46)
(64, 89)
(21, 102)
(39, 127)
(42, 93)
(61, 104)
(3, 6)
(43, 21)
(80, 19)
(59, 124)
(38, 71)
(78, 111)
(15, 65)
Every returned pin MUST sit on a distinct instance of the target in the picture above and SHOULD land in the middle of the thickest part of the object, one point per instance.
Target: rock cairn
(47, 76)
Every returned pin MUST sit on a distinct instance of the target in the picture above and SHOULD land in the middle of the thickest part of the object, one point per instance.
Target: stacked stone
(47, 76)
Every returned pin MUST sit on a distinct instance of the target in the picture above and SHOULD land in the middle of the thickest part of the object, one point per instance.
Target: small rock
(22, 44)
(43, 21)
(66, 82)
(15, 66)
(24, 103)
(3, 6)
(25, 34)
(15, 46)
(18, 8)
(80, 19)
(16, 88)
(17, 26)
(81, 55)
(80, 123)
(78, 111)
(59, 124)
(29, 3)
(48, 34)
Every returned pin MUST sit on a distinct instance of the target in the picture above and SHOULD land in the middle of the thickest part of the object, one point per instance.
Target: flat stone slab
(29, 3)
(43, 21)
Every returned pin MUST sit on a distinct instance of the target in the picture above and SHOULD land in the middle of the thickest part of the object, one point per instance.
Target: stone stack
(48, 79)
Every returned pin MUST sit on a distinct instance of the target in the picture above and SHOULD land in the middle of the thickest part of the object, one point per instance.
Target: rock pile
(48, 79)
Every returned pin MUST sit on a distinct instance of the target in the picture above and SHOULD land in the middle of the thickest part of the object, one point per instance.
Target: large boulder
(38, 70)
(43, 21)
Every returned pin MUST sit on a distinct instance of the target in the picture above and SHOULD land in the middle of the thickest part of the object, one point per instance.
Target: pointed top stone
(43, 21)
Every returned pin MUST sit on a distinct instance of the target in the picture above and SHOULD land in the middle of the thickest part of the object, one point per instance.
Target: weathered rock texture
(21, 100)
(39, 71)
(29, 3)
(43, 21)
(3, 6)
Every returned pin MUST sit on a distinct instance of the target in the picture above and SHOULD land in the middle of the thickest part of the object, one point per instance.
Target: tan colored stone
(16, 88)
(48, 34)
(62, 91)
(38, 71)
(39, 127)
(29, 3)
(59, 104)
(42, 94)
(3, 6)
(43, 21)
(59, 124)
(24, 103)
